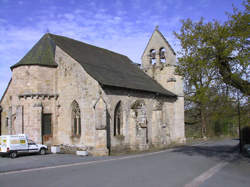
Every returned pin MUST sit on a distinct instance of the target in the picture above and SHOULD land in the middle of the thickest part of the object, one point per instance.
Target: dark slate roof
(107, 67)
(43, 53)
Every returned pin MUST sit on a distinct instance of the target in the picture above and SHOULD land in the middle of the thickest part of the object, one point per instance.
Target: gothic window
(76, 119)
(162, 53)
(152, 55)
(118, 119)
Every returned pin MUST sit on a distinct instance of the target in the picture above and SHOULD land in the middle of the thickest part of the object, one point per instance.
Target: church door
(46, 129)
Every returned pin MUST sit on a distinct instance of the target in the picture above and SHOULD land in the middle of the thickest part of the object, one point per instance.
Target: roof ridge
(104, 49)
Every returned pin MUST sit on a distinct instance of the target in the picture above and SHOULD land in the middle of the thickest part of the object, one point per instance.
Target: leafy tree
(197, 67)
(224, 46)
(214, 58)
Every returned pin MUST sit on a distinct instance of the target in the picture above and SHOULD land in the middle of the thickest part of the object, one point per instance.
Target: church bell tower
(159, 62)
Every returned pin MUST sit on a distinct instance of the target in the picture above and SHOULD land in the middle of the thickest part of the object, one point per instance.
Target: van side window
(30, 142)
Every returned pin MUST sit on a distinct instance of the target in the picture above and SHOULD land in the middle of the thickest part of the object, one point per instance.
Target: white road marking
(82, 163)
(206, 175)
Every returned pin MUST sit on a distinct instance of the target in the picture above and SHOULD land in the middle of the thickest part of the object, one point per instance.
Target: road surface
(213, 163)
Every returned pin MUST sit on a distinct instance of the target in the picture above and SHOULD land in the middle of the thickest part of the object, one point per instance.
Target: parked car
(13, 145)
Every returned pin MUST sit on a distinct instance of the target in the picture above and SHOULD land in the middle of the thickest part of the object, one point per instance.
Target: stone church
(66, 92)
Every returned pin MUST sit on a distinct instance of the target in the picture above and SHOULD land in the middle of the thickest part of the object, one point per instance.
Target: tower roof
(43, 54)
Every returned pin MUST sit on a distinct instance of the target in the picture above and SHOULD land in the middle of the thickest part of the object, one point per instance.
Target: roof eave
(44, 65)
(170, 94)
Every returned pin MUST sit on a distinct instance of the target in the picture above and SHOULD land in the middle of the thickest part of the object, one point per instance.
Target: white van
(12, 145)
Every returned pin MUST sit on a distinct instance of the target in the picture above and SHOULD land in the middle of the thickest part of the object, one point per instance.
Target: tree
(223, 48)
(214, 58)
(196, 65)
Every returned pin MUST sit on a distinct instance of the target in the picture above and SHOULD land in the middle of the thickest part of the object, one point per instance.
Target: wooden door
(46, 129)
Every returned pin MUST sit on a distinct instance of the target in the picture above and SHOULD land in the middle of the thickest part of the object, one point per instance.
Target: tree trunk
(231, 78)
(203, 123)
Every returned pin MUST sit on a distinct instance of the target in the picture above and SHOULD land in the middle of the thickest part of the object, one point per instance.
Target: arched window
(118, 119)
(152, 55)
(76, 119)
(162, 53)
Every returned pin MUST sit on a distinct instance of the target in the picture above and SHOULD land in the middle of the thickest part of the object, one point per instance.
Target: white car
(13, 145)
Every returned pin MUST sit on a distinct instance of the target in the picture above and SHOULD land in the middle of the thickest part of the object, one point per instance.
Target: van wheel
(13, 154)
(42, 151)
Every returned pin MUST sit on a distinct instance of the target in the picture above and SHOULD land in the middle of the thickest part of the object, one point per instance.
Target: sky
(123, 26)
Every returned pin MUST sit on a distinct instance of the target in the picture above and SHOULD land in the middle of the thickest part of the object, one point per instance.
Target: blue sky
(123, 26)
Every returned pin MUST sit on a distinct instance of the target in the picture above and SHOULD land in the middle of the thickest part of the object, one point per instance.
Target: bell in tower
(158, 51)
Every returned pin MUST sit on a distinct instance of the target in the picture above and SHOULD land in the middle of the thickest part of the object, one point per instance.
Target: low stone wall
(71, 149)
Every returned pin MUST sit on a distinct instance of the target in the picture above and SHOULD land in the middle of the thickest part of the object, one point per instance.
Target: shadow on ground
(221, 152)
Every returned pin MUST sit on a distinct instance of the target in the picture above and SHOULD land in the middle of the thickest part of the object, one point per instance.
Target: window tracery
(76, 119)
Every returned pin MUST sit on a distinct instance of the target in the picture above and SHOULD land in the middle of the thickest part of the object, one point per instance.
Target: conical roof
(43, 54)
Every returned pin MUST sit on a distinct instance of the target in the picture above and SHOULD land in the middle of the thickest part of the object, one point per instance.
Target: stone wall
(147, 119)
(35, 90)
(160, 120)
(166, 76)
(75, 84)
(163, 71)
(30, 93)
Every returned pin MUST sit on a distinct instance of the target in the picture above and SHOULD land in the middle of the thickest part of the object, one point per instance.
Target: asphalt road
(207, 164)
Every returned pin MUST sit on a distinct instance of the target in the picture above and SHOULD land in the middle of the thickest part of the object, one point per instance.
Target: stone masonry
(110, 118)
